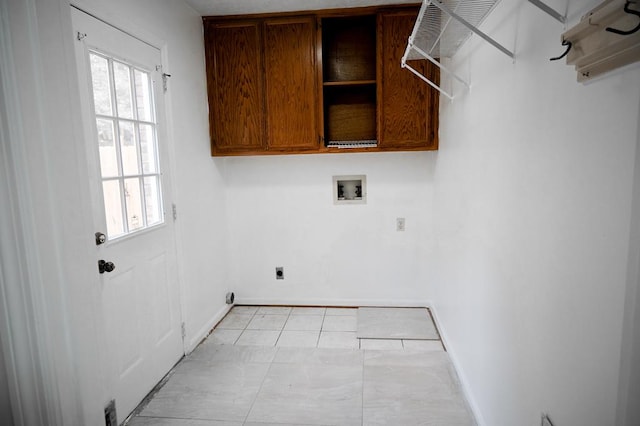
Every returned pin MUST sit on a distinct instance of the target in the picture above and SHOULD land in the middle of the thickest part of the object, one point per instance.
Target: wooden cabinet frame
(265, 123)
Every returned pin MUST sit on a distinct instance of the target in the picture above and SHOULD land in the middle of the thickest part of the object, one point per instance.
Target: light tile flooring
(306, 366)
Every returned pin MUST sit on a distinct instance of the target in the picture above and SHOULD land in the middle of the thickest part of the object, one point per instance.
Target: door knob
(100, 238)
(104, 266)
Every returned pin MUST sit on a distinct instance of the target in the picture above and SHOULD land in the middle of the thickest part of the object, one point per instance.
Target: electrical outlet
(279, 273)
(400, 224)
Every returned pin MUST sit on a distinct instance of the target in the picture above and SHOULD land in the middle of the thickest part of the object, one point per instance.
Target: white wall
(629, 385)
(281, 213)
(532, 213)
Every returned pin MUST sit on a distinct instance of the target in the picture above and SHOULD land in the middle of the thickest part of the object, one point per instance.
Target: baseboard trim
(196, 338)
(400, 303)
(464, 383)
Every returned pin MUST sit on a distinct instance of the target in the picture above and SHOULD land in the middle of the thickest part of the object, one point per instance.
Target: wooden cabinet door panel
(290, 82)
(407, 107)
(235, 86)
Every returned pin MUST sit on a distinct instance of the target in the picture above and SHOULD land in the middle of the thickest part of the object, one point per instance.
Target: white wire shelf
(353, 144)
(441, 28)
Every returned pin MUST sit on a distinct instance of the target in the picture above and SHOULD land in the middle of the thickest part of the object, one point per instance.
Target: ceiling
(242, 7)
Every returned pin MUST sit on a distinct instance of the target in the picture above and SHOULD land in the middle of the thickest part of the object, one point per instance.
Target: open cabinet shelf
(350, 114)
(349, 80)
(349, 83)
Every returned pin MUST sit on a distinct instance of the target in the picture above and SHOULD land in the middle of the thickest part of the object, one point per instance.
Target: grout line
(245, 327)
(320, 331)
(237, 338)
(363, 358)
(264, 379)
(323, 318)
(282, 329)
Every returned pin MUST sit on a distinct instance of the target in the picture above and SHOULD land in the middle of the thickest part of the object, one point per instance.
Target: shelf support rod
(429, 82)
(552, 12)
(441, 6)
(437, 63)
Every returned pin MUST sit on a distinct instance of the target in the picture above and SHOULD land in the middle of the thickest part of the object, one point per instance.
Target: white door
(122, 90)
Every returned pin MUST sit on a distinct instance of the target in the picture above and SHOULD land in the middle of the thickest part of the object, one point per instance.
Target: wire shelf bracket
(441, 28)
(549, 10)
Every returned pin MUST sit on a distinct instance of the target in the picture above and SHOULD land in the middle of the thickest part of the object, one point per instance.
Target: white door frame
(128, 27)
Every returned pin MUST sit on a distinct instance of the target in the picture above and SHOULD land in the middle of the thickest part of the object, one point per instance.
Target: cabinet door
(291, 83)
(235, 86)
(407, 107)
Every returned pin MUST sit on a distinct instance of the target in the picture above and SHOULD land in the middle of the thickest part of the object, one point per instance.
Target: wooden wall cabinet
(290, 82)
(310, 83)
(407, 107)
(235, 87)
(262, 86)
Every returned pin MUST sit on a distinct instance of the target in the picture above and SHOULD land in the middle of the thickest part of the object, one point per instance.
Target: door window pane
(148, 149)
(143, 95)
(152, 200)
(113, 208)
(100, 83)
(129, 151)
(107, 147)
(133, 198)
(122, 77)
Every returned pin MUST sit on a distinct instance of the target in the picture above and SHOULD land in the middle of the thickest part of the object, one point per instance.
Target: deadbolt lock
(100, 238)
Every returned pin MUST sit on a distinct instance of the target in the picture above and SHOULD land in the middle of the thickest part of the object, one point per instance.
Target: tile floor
(306, 366)
(396, 323)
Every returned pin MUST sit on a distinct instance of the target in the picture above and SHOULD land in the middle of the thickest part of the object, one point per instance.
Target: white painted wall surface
(281, 213)
(531, 217)
(629, 384)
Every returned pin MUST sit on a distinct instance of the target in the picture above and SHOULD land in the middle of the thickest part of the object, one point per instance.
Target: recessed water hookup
(350, 189)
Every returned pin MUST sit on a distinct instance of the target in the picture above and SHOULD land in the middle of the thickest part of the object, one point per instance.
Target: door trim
(104, 15)
(31, 370)
(121, 23)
